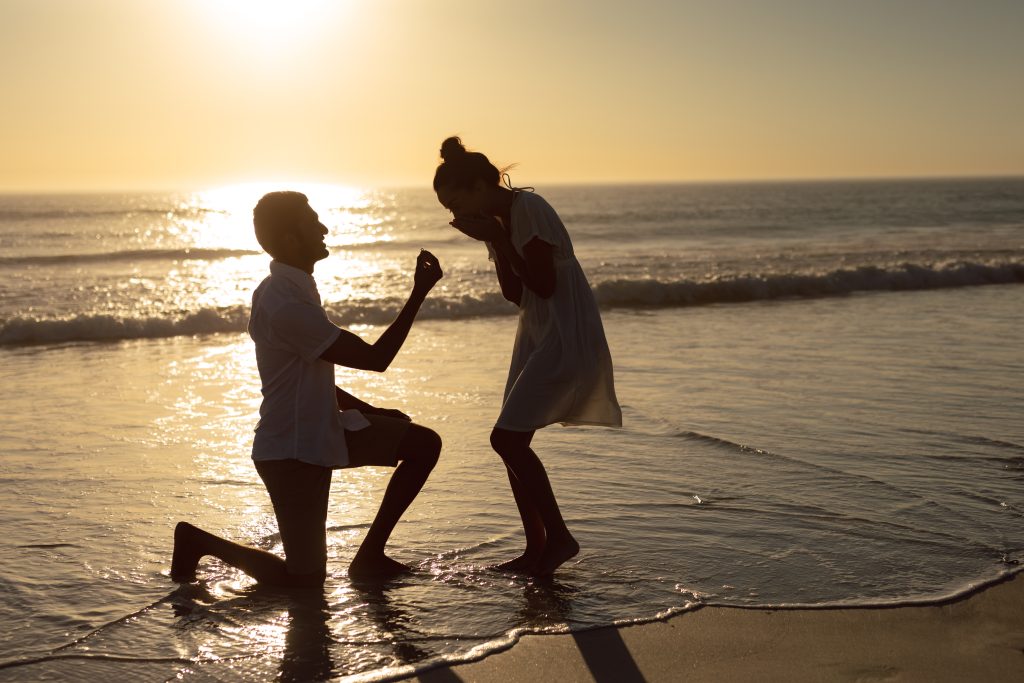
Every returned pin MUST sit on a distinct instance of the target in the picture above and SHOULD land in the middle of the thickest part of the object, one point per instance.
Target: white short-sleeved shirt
(299, 416)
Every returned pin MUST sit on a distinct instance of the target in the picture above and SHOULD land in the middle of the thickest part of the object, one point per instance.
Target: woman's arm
(511, 285)
(535, 269)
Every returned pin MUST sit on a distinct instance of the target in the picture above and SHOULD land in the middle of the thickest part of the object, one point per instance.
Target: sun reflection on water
(221, 218)
(224, 215)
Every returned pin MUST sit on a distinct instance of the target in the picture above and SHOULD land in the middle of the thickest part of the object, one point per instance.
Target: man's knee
(425, 445)
(432, 445)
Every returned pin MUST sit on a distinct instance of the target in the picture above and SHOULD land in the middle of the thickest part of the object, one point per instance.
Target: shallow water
(857, 450)
(821, 385)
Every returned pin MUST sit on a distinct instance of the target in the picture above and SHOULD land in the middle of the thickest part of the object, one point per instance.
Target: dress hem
(564, 423)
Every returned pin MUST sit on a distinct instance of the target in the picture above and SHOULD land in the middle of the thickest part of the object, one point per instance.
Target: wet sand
(978, 638)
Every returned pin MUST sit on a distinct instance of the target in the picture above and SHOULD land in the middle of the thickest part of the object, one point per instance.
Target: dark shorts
(299, 491)
(376, 445)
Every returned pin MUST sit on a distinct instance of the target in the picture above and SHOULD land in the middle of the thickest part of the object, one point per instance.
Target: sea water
(822, 387)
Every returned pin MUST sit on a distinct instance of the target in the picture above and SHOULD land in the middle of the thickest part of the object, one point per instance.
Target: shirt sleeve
(305, 329)
(536, 219)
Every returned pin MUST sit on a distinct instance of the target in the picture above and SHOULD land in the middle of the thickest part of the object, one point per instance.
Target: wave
(12, 215)
(651, 293)
(182, 254)
(192, 253)
(23, 330)
(629, 294)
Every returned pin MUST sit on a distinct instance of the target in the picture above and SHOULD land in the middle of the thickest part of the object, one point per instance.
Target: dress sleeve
(305, 329)
(536, 218)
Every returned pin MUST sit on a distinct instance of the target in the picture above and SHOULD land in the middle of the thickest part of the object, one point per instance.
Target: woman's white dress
(561, 368)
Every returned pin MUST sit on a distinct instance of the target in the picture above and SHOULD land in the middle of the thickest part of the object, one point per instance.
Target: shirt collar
(301, 279)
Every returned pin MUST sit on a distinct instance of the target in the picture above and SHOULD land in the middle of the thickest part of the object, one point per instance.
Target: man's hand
(390, 412)
(481, 228)
(352, 352)
(428, 271)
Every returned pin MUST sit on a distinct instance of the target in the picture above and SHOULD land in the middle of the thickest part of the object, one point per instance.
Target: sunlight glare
(272, 26)
(350, 214)
(240, 199)
(346, 211)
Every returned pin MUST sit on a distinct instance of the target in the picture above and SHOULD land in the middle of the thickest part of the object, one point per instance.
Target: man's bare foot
(379, 566)
(556, 553)
(188, 550)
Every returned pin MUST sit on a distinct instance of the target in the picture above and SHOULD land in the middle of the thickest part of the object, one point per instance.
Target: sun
(271, 26)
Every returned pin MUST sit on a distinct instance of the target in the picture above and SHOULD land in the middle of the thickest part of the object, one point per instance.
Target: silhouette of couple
(561, 371)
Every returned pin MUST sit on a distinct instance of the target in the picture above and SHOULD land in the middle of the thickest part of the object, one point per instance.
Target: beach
(977, 638)
(802, 227)
(821, 387)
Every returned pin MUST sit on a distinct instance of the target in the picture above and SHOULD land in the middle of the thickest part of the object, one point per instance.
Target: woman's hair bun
(451, 148)
(462, 169)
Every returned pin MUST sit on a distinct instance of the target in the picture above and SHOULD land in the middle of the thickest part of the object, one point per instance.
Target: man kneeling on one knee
(308, 426)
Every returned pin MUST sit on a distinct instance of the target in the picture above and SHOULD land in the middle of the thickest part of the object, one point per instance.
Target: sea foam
(641, 293)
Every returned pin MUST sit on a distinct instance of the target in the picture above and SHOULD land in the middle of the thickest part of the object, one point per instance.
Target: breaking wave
(632, 293)
(650, 293)
(184, 254)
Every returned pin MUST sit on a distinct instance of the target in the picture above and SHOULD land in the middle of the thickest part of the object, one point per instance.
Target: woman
(561, 368)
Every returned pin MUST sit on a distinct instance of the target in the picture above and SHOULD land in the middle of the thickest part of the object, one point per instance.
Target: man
(307, 425)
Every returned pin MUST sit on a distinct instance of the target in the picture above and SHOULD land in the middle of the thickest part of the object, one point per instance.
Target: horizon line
(558, 183)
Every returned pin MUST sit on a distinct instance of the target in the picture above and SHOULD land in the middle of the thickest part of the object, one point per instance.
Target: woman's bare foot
(376, 566)
(188, 549)
(523, 564)
(556, 553)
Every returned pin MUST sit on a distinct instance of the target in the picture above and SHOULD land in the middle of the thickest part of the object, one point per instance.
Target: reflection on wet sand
(307, 655)
(292, 622)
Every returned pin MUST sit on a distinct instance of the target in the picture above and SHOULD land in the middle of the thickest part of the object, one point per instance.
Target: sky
(186, 94)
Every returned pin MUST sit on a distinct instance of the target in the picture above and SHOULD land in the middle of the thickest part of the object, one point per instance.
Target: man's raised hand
(428, 271)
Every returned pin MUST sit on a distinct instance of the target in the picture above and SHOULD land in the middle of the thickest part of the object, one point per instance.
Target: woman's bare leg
(559, 544)
(533, 526)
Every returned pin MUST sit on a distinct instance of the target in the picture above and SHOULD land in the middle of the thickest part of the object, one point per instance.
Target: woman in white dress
(561, 368)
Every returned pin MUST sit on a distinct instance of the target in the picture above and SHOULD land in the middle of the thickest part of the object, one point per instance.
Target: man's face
(308, 236)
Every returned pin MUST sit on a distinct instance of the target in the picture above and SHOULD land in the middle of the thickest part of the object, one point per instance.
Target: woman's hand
(482, 228)
(428, 271)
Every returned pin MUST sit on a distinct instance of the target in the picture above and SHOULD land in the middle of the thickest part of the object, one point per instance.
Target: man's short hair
(274, 216)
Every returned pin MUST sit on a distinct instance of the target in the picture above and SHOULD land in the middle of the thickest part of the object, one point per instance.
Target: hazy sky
(182, 94)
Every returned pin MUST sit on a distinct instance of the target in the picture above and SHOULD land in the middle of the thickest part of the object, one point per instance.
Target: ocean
(822, 386)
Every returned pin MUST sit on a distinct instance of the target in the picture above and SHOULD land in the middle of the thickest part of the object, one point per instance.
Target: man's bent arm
(347, 401)
(351, 351)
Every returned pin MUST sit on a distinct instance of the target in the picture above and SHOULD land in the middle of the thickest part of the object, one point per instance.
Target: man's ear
(284, 244)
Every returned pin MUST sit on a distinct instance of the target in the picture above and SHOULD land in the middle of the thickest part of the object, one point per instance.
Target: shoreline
(976, 636)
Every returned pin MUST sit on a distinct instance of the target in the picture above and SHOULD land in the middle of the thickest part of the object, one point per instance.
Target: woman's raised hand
(482, 228)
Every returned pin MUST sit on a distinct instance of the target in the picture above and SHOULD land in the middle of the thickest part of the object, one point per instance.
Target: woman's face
(463, 201)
